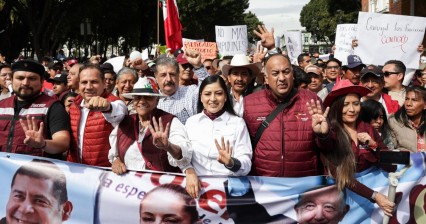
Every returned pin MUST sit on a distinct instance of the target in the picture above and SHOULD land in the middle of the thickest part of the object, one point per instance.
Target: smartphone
(395, 157)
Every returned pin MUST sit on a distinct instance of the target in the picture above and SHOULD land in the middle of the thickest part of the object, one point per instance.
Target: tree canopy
(44, 26)
(320, 17)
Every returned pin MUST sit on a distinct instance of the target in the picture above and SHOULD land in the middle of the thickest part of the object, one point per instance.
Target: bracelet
(44, 146)
(374, 195)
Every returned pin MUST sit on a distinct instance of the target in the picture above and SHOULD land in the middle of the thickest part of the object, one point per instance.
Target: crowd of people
(235, 116)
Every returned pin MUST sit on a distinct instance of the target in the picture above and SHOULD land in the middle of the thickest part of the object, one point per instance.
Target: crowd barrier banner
(383, 37)
(293, 42)
(100, 196)
(345, 33)
(231, 40)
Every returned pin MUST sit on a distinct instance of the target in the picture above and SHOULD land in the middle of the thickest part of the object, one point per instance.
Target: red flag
(172, 26)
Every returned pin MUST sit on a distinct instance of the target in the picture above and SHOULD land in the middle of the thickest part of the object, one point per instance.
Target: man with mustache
(94, 114)
(290, 143)
(241, 75)
(30, 121)
(180, 101)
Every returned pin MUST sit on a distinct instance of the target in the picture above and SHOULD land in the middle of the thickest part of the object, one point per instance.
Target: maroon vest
(127, 134)
(11, 133)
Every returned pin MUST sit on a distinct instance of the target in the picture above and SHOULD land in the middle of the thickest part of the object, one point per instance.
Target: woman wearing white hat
(152, 139)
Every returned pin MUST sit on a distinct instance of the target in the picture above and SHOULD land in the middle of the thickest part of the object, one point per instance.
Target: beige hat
(145, 86)
(242, 61)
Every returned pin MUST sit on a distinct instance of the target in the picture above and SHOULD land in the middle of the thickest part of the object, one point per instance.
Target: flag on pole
(172, 25)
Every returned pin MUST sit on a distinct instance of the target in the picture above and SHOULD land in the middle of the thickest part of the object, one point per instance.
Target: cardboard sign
(208, 50)
(232, 40)
(345, 33)
(293, 41)
(383, 37)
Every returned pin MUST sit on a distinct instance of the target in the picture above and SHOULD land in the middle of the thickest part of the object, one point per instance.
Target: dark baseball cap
(62, 78)
(373, 70)
(354, 61)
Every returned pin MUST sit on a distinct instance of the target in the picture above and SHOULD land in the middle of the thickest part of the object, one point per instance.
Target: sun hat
(344, 87)
(146, 86)
(241, 61)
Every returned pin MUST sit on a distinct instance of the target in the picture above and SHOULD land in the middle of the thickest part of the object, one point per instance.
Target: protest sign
(293, 42)
(207, 49)
(99, 196)
(345, 33)
(232, 40)
(383, 37)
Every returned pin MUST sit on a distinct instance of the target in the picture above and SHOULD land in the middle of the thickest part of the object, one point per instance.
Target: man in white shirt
(394, 72)
(241, 75)
(94, 114)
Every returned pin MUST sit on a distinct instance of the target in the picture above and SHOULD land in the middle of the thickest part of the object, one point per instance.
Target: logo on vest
(41, 105)
(301, 116)
(260, 118)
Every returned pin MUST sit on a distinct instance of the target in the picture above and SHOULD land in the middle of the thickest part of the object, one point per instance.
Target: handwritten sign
(345, 33)
(207, 49)
(293, 41)
(231, 40)
(382, 37)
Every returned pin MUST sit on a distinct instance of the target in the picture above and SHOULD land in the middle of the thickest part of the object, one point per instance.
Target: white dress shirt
(119, 110)
(238, 105)
(202, 131)
(133, 157)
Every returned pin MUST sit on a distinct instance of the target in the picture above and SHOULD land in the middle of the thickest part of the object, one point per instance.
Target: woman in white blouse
(220, 142)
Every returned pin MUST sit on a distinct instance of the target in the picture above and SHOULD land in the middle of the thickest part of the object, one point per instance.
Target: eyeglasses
(332, 67)
(186, 66)
(387, 74)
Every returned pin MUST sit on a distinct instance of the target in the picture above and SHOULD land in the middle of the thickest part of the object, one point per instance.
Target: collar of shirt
(224, 117)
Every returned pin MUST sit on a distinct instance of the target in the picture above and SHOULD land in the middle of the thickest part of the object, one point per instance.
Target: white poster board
(345, 33)
(293, 42)
(231, 40)
(383, 37)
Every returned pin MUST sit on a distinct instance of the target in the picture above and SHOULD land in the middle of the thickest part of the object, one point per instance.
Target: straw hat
(241, 61)
(145, 86)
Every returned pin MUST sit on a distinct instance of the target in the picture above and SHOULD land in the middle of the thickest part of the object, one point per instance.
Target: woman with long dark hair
(374, 113)
(408, 125)
(220, 142)
(358, 144)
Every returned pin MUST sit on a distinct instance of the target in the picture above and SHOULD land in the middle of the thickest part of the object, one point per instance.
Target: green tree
(320, 17)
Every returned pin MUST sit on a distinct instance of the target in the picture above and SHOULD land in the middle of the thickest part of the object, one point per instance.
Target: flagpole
(158, 22)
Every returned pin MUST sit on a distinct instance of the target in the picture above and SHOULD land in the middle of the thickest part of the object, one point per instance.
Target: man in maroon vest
(31, 122)
(152, 139)
(93, 114)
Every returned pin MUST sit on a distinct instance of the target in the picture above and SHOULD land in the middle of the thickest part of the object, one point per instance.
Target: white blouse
(202, 132)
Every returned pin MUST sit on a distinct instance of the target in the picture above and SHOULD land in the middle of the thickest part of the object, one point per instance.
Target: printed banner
(41, 190)
(231, 40)
(382, 37)
(207, 49)
(345, 33)
(293, 41)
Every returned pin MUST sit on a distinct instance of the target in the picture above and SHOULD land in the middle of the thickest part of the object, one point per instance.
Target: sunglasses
(387, 74)
(185, 66)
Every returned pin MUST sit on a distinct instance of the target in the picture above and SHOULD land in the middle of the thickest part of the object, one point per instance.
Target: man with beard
(241, 76)
(32, 122)
(180, 101)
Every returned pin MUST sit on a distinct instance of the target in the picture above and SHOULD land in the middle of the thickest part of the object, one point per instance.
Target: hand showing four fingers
(33, 133)
(319, 118)
(225, 152)
(160, 136)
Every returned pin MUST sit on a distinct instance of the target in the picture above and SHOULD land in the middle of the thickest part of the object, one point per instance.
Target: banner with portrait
(383, 37)
(40, 190)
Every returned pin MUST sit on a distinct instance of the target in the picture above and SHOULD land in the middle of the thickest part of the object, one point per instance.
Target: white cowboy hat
(241, 61)
(145, 86)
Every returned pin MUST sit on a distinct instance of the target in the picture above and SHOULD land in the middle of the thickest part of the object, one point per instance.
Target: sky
(280, 14)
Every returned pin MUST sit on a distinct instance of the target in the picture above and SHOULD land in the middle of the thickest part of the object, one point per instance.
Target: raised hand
(33, 133)
(260, 54)
(225, 152)
(118, 167)
(319, 118)
(266, 38)
(193, 57)
(160, 136)
(98, 103)
(193, 184)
